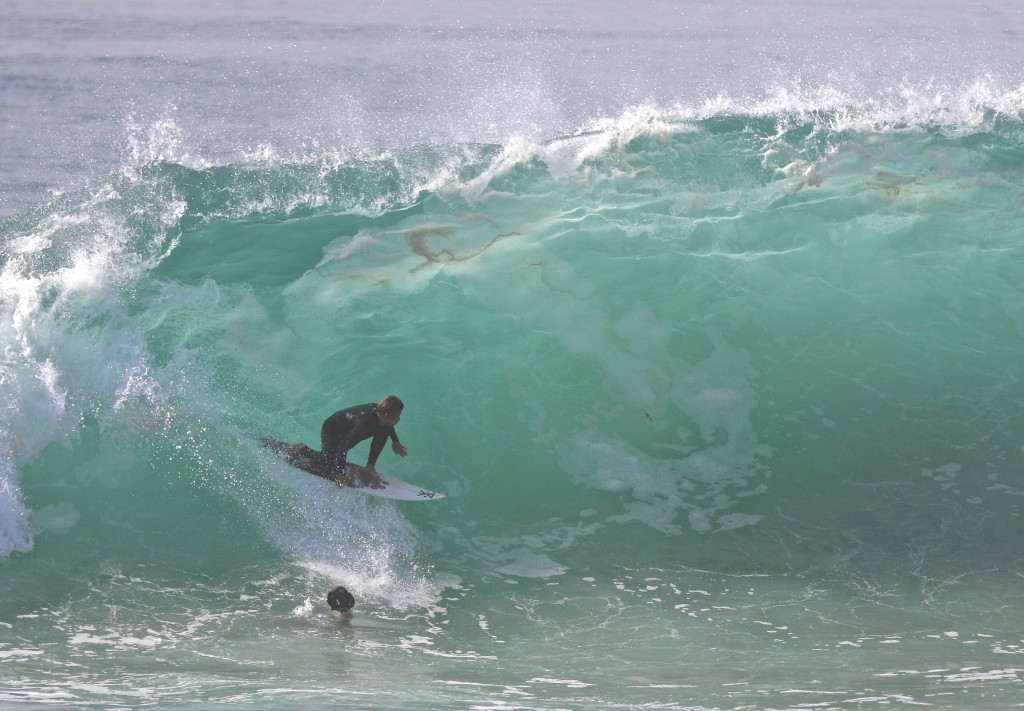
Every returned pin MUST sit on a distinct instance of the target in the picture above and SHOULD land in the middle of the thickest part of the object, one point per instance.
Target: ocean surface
(708, 318)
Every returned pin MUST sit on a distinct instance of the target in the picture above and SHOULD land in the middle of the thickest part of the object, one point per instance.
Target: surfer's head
(341, 600)
(389, 410)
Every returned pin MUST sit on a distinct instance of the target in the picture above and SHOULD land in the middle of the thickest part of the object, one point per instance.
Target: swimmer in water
(341, 601)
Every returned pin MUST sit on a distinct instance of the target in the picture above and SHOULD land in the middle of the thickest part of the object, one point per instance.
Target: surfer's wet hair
(390, 405)
(341, 599)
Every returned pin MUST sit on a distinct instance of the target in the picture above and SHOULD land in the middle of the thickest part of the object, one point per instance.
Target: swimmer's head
(341, 600)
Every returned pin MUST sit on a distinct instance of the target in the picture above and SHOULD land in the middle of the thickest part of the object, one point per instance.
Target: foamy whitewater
(709, 321)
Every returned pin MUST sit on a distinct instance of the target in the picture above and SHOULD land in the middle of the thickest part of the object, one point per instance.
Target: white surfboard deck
(358, 479)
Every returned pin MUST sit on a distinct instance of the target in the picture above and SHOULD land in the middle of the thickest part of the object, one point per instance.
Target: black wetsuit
(346, 428)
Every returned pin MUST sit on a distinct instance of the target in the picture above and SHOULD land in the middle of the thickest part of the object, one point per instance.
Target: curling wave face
(666, 368)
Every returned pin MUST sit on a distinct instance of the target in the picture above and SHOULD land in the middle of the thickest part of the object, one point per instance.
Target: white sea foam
(14, 516)
(68, 341)
(344, 538)
(530, 564)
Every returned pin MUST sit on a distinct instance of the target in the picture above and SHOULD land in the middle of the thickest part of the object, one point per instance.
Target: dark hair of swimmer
(340, 599)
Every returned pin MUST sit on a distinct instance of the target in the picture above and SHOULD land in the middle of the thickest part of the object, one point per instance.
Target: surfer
(346, 428)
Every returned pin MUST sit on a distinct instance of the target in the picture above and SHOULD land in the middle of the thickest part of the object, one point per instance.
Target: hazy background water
(88, 86)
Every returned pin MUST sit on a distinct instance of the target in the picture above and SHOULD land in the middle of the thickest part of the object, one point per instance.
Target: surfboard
(356, 477)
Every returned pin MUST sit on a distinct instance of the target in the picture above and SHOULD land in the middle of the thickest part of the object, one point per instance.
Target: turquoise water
(725, 400)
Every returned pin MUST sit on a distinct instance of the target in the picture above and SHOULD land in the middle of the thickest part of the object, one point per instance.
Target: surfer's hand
(399, 449)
